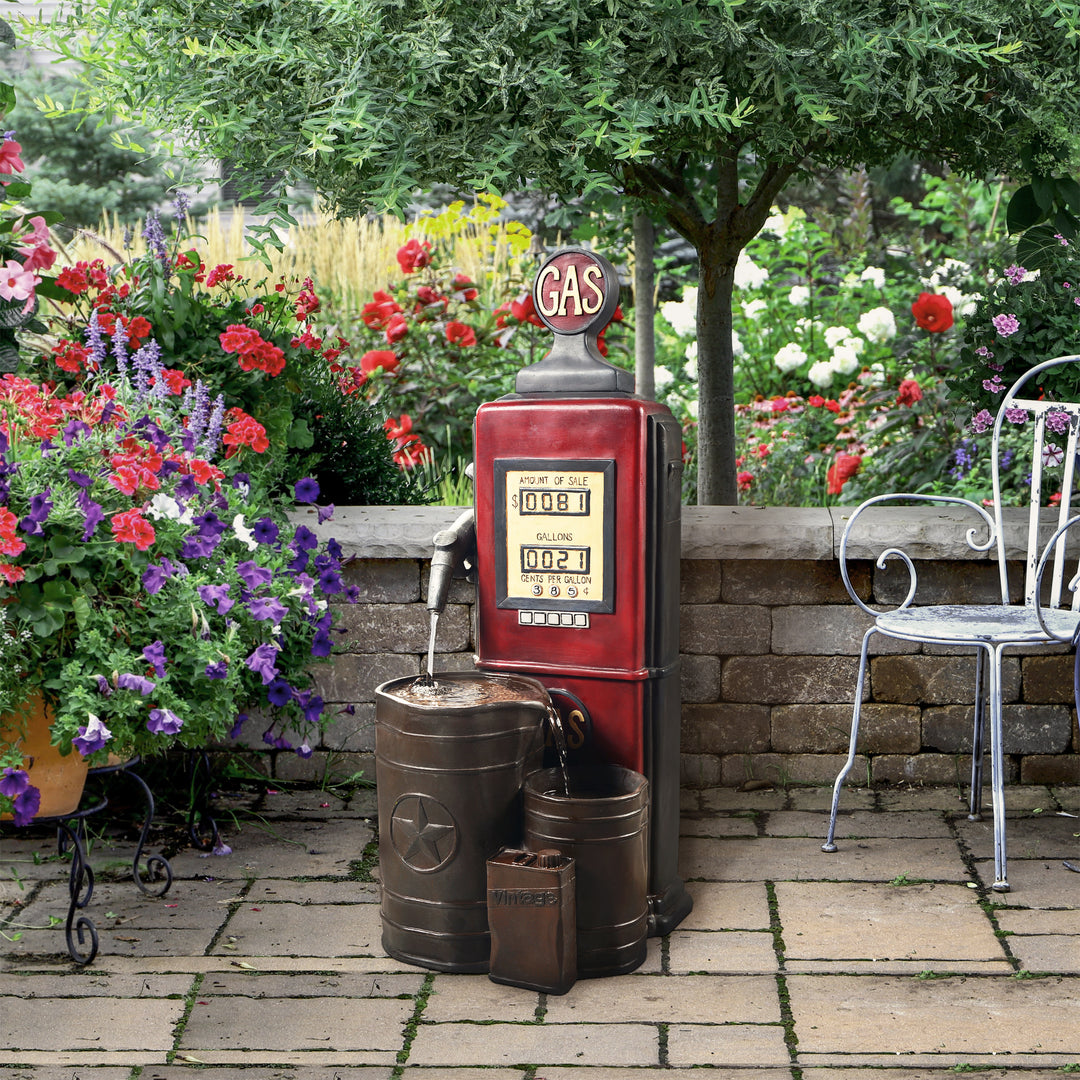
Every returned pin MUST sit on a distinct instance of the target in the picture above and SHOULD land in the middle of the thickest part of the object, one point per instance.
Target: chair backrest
(1052, 427)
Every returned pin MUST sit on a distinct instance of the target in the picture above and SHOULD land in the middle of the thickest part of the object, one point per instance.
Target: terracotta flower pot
(59, 777)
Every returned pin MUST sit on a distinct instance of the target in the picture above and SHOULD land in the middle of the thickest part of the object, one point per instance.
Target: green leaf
(1034, 250)
(1023, 211)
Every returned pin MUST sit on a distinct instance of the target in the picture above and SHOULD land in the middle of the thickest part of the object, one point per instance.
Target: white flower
(662, 377)
(845, 359)
(244, 534)
(95, 729)
(799, 296)
(877, 324)
(790, 357)
(875, 275)
(690, 367)
(950, 268)
(836, 334)
(165, 506)
(748, 275)
(821, 373)
(961, 302)
(753, 308)
(737, 347)
(682, 314)
(691, 408)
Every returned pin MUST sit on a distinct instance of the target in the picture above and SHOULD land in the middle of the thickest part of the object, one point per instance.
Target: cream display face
(555, 533)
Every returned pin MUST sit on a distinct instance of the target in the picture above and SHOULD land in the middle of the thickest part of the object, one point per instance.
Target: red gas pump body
(577, 508)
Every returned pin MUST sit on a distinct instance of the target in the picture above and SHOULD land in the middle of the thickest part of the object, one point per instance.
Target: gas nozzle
(454, 556)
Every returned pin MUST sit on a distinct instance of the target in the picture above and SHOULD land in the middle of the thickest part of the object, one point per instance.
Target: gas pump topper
(574, 543)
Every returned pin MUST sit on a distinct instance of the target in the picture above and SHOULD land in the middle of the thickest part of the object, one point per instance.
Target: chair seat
(996, 623)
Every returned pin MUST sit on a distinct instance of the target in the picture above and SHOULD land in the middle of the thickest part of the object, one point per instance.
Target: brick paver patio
(266, 964)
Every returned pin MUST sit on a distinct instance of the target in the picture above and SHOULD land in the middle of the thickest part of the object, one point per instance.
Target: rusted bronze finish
(450, 761)
(532, 913)
(603, 825)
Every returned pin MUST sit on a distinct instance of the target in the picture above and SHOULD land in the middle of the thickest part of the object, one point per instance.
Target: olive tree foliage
(700, 110)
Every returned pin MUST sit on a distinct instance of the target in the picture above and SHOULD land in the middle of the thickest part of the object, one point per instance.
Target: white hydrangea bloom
(748, 275)
(662, 377)
(950, 268)
(821, 373)
(963, 304)
(682, 314)
(845, 359)
(752, 309)
(878, 325)
(799, 296)
(834, 335)
(790, 357)
(691, 359)
(875, 275)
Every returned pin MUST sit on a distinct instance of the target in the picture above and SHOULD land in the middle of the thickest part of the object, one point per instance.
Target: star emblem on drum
(423, 832)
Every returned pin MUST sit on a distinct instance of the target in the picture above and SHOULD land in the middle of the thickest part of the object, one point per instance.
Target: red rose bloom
(458, 333)
(910, 392)
(414, 256)
(378, 358)
(933, 312)
(841, 471)
(396, 328)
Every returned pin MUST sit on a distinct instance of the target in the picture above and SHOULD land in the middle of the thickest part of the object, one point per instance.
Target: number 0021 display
(559, 541)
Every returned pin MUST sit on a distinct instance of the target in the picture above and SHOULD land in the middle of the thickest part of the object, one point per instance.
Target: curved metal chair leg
(997, 770)
(80, 890)
(830, 845)
(977, 735)
(158, 869)
(200, 778)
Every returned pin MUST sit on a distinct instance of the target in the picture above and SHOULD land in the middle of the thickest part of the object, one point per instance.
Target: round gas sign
(575, 291)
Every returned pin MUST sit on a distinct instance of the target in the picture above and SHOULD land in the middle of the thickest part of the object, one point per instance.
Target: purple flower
(197, 547)
(155, 656)
(279, 693)
(217, 670)
(79, 479)
(74, 430)
(306, 490)
(96, 343)
(1016, 416)
(303, 750)
(304, 539)
(13, 782)
(325, 513)
(234, 731)
(154, 578)
(321, 645)
(268, 607)
(311, 704)
(164, 722)
(265, 531)
(92, 737)
(352, 594)
(1057, 422)
(261, 661)
(216, 597)
(95, 515)
(981, 421)
(154, 235)
(253, 575)
(186, 487)
(210, 525)
(330, 582)
(103, 686)
(26, 806)
(1015, 274)
(128, 681)
(1006, 324)
(994, 385)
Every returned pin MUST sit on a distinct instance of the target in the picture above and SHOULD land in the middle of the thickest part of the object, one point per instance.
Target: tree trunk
(644, 311)
(716, 484)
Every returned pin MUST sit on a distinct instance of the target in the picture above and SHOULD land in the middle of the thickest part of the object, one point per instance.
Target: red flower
(244, 431)
(780, 404)
(458, 333)
(426, 296)
(74, 279)
(910, 392)
(252, 351)
(414, 256)
(816, 400)
(841, 471)
(204, 472)
(465, 286)
(933, 312)
(10, 162)
(132, 528)
(70, 356)
(220, 273)
(399, 428)
(524, 310)
(745, 479)
(12, 573)
(832, 405)
(175, 380)
(377, 312)
(396, 328)
(379, 358)
(307, 303)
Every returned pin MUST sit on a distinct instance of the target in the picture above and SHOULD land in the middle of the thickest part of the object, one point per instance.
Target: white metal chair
(1043, 618)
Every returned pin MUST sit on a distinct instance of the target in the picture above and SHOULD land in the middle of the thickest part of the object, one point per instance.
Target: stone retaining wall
(769, 642)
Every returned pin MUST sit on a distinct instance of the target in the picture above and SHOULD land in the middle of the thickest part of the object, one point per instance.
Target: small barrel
(450, 761)
(603, 825)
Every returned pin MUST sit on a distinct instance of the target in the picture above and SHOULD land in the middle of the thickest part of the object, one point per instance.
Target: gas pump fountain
(574, 546)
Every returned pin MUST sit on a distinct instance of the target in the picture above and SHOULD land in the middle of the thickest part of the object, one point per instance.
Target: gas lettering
(566, 298)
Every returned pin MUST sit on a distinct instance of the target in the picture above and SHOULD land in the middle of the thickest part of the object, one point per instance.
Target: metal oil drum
(603, 824)
(450, 762)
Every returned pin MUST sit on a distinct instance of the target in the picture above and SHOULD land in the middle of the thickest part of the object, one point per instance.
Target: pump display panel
(555, 524)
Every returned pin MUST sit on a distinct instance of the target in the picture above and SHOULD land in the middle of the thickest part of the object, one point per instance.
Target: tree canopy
(702, 109)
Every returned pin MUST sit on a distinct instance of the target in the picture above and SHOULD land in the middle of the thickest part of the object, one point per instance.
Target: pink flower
(1006, 324)
(10, 162)
(16, 282)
